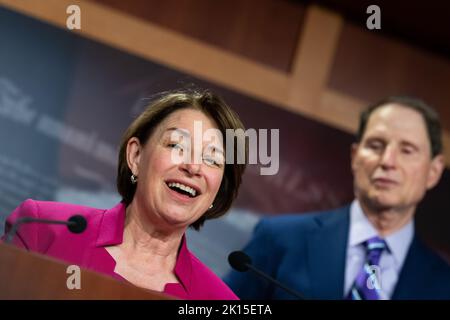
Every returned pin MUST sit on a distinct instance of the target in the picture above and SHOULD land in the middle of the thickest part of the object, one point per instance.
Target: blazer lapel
(327, 245)
(110, 232)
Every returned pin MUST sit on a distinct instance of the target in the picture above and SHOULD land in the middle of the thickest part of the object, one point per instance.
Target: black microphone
(75, 224)
(241, 262)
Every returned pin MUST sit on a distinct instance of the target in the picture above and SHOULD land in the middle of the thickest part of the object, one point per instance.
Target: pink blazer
(105, 227)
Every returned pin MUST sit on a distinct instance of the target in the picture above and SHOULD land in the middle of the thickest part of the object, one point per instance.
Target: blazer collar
(110, 233)
(183, 269)
(112, 226)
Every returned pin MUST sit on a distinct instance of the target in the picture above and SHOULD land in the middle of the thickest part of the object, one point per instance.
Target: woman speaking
(142, 239)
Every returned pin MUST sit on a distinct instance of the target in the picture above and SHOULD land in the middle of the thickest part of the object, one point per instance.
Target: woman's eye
(211, 162)
(175, 145)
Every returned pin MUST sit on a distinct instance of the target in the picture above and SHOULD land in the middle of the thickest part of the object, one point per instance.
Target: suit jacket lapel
(327, 245)
(411, 279)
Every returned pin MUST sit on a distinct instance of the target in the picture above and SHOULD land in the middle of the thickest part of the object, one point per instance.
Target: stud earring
(211, 206)
(133, 179)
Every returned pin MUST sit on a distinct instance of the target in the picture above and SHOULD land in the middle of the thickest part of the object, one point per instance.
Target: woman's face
(174, 194)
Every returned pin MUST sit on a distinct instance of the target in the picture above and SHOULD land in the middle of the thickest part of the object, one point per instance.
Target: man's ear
(437, 166)
(354, 149)
(134, 151)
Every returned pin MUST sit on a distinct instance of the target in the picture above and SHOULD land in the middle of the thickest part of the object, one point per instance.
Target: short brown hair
(430, 116)
(144, 125)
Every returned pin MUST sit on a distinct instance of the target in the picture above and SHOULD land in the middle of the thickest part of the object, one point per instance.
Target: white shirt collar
(361, 229)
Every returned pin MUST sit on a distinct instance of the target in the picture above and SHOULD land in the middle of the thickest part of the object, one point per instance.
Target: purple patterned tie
(367, 283)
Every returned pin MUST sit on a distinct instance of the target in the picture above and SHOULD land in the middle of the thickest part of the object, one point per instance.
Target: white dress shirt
(391, 261)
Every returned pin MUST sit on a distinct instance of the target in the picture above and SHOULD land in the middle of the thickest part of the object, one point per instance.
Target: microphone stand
(9, 237)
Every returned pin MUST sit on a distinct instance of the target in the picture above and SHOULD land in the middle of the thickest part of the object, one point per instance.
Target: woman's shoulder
(40, 237)
(53, 210)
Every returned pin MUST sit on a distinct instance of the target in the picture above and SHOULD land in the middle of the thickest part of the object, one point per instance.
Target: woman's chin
(178, 219)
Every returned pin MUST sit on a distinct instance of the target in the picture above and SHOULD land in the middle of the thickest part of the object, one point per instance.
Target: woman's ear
(134, 151)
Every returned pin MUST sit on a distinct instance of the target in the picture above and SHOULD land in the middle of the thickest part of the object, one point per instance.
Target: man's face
(392, 164)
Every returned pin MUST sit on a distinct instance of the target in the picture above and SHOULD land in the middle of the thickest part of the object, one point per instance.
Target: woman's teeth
(183, 187)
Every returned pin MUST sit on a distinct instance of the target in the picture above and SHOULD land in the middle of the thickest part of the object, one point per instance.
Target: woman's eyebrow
(183, 132)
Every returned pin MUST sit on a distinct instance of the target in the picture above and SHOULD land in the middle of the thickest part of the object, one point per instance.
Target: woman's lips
(178, 196)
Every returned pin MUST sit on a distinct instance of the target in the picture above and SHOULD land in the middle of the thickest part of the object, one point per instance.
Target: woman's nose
(191, 168)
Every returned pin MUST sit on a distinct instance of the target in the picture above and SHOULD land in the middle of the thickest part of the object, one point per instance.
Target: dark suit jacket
(307, 253)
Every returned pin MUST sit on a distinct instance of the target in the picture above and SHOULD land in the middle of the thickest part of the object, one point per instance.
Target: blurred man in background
(369, 249)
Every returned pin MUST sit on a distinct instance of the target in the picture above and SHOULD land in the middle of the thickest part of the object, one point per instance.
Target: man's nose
(389, 158)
